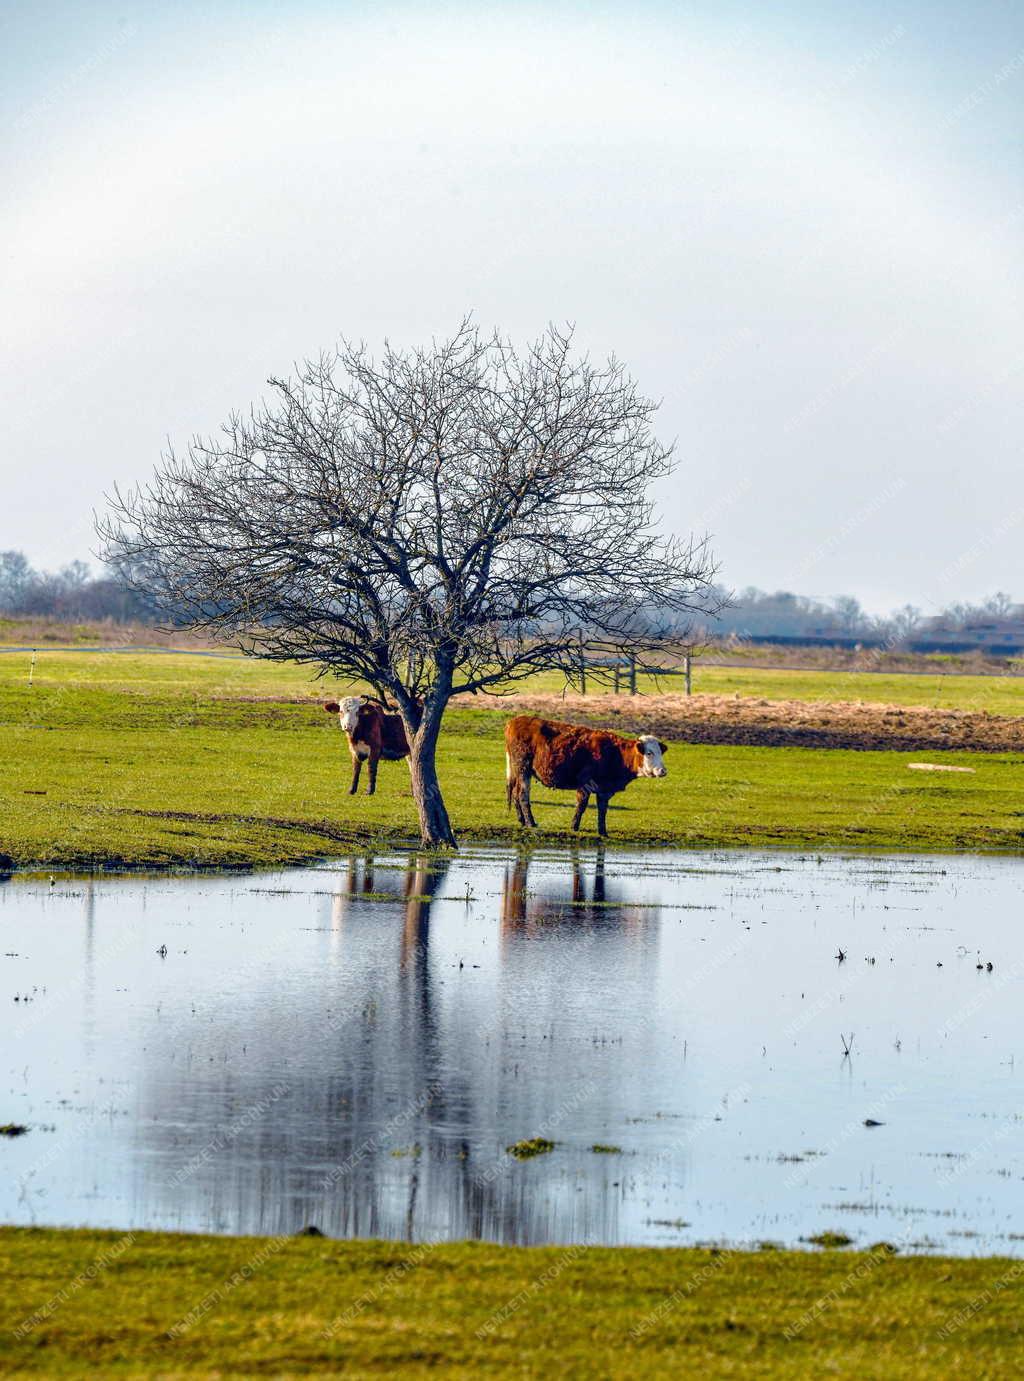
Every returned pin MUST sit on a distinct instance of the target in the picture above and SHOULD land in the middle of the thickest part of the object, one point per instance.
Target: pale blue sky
(802, 225)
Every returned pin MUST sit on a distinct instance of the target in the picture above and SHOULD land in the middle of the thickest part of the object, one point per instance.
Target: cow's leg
(372, 762)
(582, 801)
(527, 804)
(522, 799)
(517, 787)
(357, 767)
(602, 814)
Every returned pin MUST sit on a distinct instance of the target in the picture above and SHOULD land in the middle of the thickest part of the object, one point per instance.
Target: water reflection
(531, 910)
(356, 1047)
(392, 1129)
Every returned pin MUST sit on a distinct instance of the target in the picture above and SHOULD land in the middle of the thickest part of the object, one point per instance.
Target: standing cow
(373, 731)
(571, 757)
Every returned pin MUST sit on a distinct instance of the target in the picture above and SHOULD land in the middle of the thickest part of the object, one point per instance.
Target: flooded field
(721, 1048)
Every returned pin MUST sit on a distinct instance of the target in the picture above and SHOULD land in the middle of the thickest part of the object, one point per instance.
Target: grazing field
(1000, 695)
(158, 1304)
(152, 759)
(938, 682)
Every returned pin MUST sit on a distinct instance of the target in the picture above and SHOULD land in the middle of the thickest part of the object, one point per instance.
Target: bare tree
(848, 613)
(902, 624)
(441, 521)
(999, 606)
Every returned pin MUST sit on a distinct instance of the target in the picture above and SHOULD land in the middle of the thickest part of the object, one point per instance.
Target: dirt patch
(736, 719)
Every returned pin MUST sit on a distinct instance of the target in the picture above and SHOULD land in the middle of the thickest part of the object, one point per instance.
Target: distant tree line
(73, 592)
(76, 592)
(756, 615)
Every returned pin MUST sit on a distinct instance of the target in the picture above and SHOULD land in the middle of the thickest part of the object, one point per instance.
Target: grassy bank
(156, 759)
(158, 1304)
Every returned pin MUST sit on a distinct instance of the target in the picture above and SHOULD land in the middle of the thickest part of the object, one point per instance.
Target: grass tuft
(535, 1146)
(830, 1238)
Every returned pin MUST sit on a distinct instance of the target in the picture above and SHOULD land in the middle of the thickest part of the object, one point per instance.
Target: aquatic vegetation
(830, 1238)
(534, 1146)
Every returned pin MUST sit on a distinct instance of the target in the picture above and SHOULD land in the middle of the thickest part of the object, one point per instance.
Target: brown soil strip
(735, 719)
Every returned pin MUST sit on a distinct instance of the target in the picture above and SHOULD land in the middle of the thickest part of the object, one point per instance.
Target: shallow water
(328, 1046)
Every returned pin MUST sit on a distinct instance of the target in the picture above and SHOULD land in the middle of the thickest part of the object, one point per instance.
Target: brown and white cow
(571, 757)
(373, 731)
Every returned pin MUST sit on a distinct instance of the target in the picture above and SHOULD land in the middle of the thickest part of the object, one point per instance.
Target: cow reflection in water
(359, 882)
(440, 1157)
(534, 910)
(375, 1099)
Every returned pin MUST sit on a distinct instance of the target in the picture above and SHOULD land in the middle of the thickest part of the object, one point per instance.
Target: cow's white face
(653, 764)
(348, 712)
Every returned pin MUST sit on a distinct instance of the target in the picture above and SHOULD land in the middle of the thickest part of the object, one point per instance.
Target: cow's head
(347, 711)
(651, 762)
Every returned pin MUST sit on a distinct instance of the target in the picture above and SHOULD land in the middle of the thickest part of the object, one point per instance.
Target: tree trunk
(435, 827)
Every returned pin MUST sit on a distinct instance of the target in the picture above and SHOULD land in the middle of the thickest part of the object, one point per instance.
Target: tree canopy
(442, 520)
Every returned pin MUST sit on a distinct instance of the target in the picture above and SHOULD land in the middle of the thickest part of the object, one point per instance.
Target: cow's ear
(663, 746)
(332, 707)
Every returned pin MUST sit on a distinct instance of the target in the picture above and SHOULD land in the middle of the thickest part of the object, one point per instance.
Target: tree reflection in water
(400, 1094)
(355, 1045)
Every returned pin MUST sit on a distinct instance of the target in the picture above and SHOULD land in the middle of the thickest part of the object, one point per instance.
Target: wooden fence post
(686, 669)
(583, 668)
(632, 676)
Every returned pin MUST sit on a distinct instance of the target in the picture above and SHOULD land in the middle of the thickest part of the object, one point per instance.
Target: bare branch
(441, 521)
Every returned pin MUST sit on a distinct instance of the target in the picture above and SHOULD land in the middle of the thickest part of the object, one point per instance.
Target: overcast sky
(800, 224)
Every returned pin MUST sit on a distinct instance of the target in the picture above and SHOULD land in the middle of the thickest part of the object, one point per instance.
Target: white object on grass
(937, 767)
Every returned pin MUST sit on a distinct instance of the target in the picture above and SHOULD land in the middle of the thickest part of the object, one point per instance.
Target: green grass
(220, 675)
(158, 759)
(995, 694)
(175, 1306)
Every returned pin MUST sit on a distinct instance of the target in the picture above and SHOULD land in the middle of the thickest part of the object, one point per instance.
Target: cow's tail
(509, 781)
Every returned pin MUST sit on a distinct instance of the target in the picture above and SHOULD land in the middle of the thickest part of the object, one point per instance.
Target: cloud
(734, 217)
